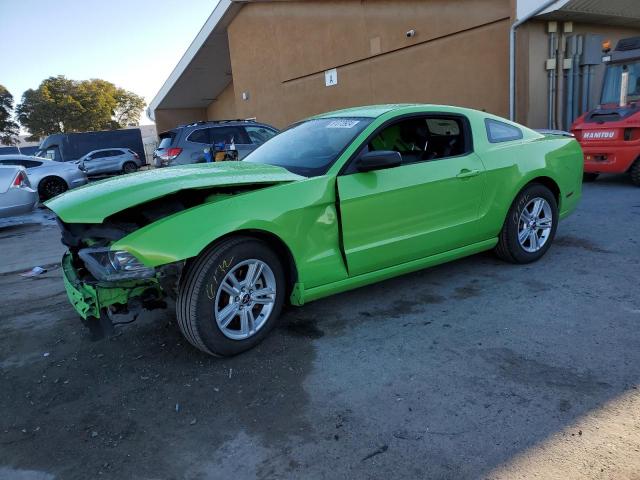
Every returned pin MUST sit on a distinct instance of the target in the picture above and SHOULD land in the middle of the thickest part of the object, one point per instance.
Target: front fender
(301, 214)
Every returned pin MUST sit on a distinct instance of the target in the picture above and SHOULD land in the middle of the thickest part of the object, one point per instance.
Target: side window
(423, 138)
(98, 155)
(498, 132)
(259, 135)
(52, 153)
(30, 163)
(10, 162)
(199, 136)
(228, 134)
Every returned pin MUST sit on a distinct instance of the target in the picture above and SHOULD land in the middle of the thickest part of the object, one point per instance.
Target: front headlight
(109, 265)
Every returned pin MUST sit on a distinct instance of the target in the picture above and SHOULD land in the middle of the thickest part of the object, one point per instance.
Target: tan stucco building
(280, 61)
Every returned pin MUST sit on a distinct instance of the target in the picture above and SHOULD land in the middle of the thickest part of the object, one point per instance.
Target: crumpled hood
(95, 202)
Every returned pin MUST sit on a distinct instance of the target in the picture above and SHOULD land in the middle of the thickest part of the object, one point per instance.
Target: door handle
(466, 173)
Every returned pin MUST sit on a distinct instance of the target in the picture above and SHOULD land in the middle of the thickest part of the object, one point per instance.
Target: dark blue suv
(186, 143)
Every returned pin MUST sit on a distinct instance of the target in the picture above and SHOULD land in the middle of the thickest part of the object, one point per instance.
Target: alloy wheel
(535, 224)
(52, 187)
(245, 299)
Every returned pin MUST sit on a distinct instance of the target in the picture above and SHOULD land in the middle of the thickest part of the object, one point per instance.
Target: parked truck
(610, 134)
(65, 147)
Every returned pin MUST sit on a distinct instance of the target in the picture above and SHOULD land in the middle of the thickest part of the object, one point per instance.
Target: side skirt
(303, 296)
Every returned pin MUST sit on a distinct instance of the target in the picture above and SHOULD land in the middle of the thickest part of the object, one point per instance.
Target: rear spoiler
(562, 133)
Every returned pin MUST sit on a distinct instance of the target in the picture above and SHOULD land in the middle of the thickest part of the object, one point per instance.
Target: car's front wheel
(129, 167)
(231, 296)
(530, 225)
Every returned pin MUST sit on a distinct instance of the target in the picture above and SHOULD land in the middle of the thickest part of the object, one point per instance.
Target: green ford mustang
(335, 202)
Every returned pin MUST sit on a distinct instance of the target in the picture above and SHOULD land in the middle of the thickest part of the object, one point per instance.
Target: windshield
(613, 81)
(309, 148)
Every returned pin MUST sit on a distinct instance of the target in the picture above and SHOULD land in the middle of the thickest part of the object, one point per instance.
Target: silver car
(47, 177)
(110, 160)
(16, 195)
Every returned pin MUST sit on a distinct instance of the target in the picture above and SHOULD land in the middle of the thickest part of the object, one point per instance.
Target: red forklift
(610, 134)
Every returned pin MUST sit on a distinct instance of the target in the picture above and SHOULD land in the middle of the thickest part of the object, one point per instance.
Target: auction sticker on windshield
(343, 123)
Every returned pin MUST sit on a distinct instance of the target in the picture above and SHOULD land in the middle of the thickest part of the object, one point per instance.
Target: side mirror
(378, 160)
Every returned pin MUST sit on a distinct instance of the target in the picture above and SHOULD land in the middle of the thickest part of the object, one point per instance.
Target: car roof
(375, 111)
(105, 149)
(18, 156)
(45, 161)
(221, 123)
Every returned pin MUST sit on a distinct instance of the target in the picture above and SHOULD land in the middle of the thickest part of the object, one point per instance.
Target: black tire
(589, 177)
(634, 171)
(199, 288)
(50, 187)
(509, 247)
(129, 167)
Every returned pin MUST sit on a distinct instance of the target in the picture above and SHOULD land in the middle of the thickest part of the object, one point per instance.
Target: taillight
(173, 152)
(21, 180)
(170, 154)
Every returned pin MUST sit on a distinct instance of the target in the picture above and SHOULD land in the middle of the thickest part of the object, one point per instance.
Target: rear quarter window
(166, 139)
(199, 136)
(498, 132)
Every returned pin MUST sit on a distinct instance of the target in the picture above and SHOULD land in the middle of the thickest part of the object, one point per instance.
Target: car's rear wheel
(530, 226)
(129, 167)
(50, 187)
(589, 177)
(231, 296)
(635, 172)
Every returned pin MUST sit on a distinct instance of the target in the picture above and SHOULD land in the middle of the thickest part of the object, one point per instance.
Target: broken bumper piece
(93, 299)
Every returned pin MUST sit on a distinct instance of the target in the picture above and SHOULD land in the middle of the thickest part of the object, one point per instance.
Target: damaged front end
(108, 287)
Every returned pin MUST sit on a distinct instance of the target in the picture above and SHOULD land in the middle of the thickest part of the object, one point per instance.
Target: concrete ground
(474, 369)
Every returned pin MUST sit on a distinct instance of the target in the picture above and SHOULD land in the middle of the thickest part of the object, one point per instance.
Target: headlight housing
(111, 265)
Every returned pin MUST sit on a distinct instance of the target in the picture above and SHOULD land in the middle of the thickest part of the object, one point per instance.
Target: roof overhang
(621, 13)
(204, 70)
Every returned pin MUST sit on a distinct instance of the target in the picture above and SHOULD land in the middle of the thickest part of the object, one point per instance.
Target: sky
(134, 44)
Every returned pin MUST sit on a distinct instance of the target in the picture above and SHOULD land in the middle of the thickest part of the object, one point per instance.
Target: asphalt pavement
(473, 369)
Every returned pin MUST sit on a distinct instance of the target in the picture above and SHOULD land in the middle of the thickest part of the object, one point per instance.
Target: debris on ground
(382, 449)
(34, 272)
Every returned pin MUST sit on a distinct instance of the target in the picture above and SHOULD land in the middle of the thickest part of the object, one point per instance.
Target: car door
(428, 205)
(91, 162)
(112, 161)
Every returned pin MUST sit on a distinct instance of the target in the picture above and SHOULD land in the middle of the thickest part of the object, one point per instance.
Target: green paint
(88, 300)
(383, 223)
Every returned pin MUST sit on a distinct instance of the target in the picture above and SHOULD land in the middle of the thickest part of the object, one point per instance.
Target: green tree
(129, 106)
(63, 105)
(9, 129)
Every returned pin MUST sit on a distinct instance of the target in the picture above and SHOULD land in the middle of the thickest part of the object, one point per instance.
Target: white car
(16, 195)
(47, 177)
